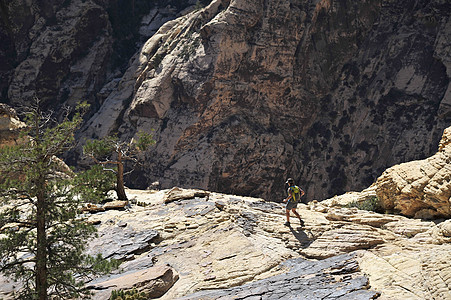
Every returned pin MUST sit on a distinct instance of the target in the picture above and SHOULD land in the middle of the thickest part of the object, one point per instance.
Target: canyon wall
(64, 52)
(242, 94)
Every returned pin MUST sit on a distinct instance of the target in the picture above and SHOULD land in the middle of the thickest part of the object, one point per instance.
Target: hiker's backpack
(296, 193)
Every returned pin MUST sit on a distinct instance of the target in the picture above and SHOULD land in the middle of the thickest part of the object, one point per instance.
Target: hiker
(294, 196)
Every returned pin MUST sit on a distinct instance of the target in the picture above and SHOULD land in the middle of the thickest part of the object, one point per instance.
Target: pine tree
(42, 236)
(111, 153)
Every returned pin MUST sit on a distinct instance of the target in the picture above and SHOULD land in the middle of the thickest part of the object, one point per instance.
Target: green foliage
(198, 5)
(109, 147)
(145, 140)
(128, 295)
(189, 47)
(44, 246)
(370, 204)
(111, 154)
(157, 59)
(101, 149)
(94, 184)
(142, 204)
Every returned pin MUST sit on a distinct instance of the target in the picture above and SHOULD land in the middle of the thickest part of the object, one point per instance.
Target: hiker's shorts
(290, 205)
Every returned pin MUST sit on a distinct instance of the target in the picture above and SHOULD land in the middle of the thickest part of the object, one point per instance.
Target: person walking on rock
(294, 196)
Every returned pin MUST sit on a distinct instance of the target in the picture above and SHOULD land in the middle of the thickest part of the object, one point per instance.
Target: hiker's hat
(289, 180)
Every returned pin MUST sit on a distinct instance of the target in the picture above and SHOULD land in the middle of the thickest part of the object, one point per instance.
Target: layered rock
(419, 189)
(153, 282)
(217, 246)
(336, 278)
(239, 245)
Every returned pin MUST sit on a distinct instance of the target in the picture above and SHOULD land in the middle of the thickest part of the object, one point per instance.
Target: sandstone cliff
(64, 52)
(243, 94)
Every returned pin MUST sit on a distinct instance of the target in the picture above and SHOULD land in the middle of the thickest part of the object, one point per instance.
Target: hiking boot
(287, 224)
(302, 222)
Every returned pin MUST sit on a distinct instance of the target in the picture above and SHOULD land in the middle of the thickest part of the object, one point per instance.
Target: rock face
(55, 50)
(64, 52)
(244, 93)
(420, 189)
(224, 246)
(10, 126)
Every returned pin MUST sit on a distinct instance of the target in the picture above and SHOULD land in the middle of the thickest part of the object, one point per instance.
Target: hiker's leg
(297, 215)
(287, 213)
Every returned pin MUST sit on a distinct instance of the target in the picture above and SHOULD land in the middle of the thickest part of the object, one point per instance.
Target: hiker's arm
(287, 198)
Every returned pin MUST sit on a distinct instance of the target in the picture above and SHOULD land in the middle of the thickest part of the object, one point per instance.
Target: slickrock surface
(239, 246)
(336, 278)
(220, 246)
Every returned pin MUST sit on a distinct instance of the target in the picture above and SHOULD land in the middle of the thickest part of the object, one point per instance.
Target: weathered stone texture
(62, 50)
(343, 240)
(241, 248)
(243, 94)
(336, 278)
(67, 51)
(415, 273)
(154, 282)
(419, 189)
(10, 126)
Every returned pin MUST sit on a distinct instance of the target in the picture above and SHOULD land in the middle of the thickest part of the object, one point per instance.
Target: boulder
(420, 189)
(93, 208)
(117, 204)
(153, 282)
(176, 194)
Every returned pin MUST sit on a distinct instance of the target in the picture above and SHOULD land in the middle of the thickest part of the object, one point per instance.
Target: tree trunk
(120, 189)
(41, 247)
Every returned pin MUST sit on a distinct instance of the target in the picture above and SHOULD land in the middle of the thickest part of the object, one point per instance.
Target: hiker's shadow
(300, 235)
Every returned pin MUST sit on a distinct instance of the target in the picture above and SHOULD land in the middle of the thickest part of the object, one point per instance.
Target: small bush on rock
(370, 204)
(128, 295)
